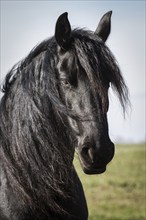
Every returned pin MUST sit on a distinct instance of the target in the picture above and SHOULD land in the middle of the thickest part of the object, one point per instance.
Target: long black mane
(37, 145)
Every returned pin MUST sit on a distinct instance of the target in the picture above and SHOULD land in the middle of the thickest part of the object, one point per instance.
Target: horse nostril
(84, 150)
(87, 153)
(90, 152)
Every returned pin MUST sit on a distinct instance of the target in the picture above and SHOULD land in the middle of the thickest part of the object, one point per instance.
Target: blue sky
(25, 23)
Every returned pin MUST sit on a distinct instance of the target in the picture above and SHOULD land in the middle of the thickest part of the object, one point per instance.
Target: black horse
(56, 100)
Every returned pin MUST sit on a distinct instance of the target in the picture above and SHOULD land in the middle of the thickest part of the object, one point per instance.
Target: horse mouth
(93, 171)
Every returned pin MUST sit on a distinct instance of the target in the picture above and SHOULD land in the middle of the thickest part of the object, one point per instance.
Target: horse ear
(63, 31)
(104, 26)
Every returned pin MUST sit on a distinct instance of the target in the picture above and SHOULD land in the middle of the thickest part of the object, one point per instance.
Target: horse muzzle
(94, 160)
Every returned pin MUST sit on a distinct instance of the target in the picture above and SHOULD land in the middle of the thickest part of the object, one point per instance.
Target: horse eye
(65, 82)
(69, 81)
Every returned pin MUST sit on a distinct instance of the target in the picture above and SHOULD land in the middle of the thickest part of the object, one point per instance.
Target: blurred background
(119, 194)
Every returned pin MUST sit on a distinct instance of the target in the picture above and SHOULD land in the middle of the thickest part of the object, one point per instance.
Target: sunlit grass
(119, 193)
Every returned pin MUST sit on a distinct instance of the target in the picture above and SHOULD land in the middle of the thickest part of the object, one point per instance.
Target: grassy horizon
(119, 193)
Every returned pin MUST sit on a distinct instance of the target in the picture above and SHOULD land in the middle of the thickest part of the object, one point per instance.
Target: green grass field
(119, 193)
